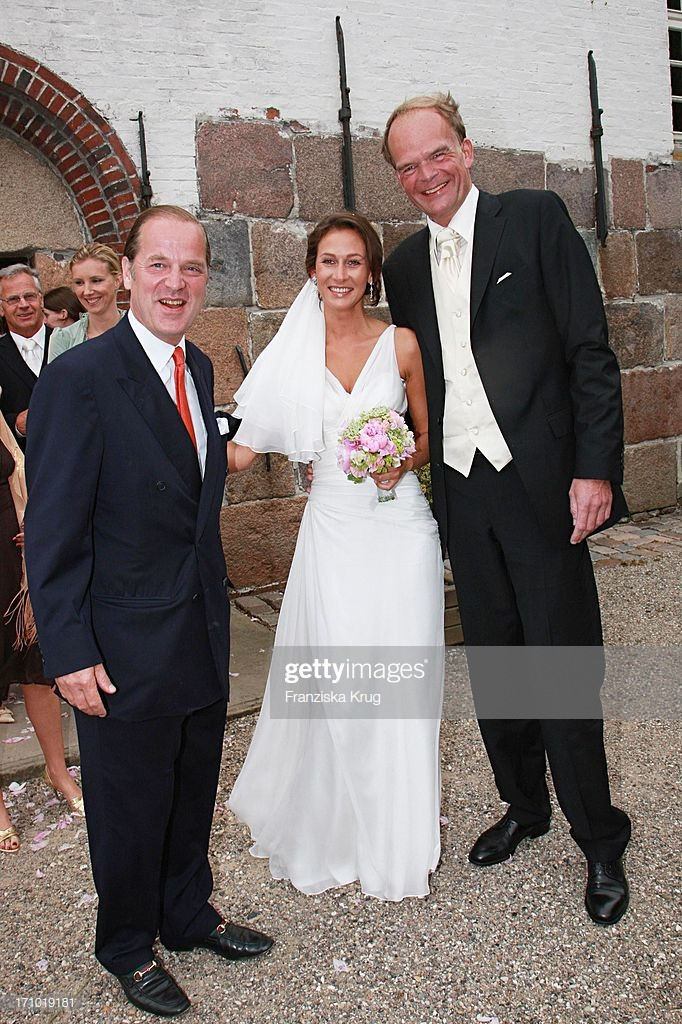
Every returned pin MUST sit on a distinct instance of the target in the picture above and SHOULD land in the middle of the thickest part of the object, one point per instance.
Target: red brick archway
(50, 115)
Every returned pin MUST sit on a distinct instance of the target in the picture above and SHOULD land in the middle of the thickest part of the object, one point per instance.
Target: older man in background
(23, 348)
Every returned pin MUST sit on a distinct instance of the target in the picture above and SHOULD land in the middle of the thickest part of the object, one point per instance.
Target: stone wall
(519, 69)
(37, 210)
(46, 114)
(263, 183)
(260, 179)
(240, 106)
(641, 273)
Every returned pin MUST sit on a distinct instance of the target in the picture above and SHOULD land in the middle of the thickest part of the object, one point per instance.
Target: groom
(526, 437)
(126, 471)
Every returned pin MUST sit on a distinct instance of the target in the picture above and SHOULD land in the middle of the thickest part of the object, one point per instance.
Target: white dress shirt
(160, 355)
(31, 349)
(468, 421)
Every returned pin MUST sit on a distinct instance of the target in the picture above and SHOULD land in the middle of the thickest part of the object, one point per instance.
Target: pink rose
(373, 437)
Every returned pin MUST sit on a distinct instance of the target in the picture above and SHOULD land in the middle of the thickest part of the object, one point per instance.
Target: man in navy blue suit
(126, 470)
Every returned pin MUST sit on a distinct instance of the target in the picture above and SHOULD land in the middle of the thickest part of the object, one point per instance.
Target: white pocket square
(504, 277)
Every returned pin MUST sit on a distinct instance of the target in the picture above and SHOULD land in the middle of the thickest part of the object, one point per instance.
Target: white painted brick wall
(517, 67)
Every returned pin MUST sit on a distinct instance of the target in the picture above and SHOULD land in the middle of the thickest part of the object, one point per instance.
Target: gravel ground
(511, 943)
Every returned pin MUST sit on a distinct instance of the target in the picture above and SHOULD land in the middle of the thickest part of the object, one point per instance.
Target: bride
(333, 794)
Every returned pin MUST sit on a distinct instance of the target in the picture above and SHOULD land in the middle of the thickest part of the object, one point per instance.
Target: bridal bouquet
(374, 442)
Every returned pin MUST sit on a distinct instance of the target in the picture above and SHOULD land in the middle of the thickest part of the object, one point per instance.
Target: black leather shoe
(152, 989)
(607, 895)
(232, 941)
(499, 842)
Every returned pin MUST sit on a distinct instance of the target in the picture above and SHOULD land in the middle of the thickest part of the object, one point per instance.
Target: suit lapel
(419, 280)
(12, 358)
(214, 478)
(488, 230)
(46, 346)
(146, 391)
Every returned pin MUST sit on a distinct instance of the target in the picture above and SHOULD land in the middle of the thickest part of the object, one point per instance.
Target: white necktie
(33, 356)
(451, 246)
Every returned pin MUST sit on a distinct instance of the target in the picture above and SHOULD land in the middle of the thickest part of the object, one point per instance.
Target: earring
(314, 280)
(371, 291)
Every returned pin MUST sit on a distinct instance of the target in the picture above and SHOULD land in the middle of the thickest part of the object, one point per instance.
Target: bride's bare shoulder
(406, 340)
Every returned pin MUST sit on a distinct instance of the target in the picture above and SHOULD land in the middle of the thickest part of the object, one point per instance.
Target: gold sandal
(9, 833)
(74, 803)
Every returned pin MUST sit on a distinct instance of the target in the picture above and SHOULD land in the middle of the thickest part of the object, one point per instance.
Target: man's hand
(20, 422)
(590, 506)
(81, 689)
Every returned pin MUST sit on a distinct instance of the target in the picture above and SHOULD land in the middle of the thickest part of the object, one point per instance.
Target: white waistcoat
(468, 421)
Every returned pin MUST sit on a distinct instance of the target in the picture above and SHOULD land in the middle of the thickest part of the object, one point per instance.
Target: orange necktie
(181, 393)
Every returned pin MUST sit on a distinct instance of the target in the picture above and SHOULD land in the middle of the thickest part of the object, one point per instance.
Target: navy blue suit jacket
(123, 550)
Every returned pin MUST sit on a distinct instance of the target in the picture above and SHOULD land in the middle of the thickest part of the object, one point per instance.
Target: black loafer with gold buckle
(151, 988)
(233, 941)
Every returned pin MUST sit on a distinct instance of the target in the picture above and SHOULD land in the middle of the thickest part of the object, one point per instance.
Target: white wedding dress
(330, 800)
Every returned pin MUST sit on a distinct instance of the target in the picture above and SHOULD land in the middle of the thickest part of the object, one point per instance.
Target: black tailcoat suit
(539, 338)
(17, 381)
(126, 568)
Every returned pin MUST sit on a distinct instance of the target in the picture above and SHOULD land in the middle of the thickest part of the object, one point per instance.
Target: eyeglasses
(435, 160)
(14, 300)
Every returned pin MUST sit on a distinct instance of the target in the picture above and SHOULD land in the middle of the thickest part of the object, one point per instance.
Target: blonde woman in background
(96, 276)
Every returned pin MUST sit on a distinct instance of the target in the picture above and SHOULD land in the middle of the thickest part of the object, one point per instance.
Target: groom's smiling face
(431, 163)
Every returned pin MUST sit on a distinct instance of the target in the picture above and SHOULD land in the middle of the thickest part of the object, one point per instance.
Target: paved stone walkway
(635, 542)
